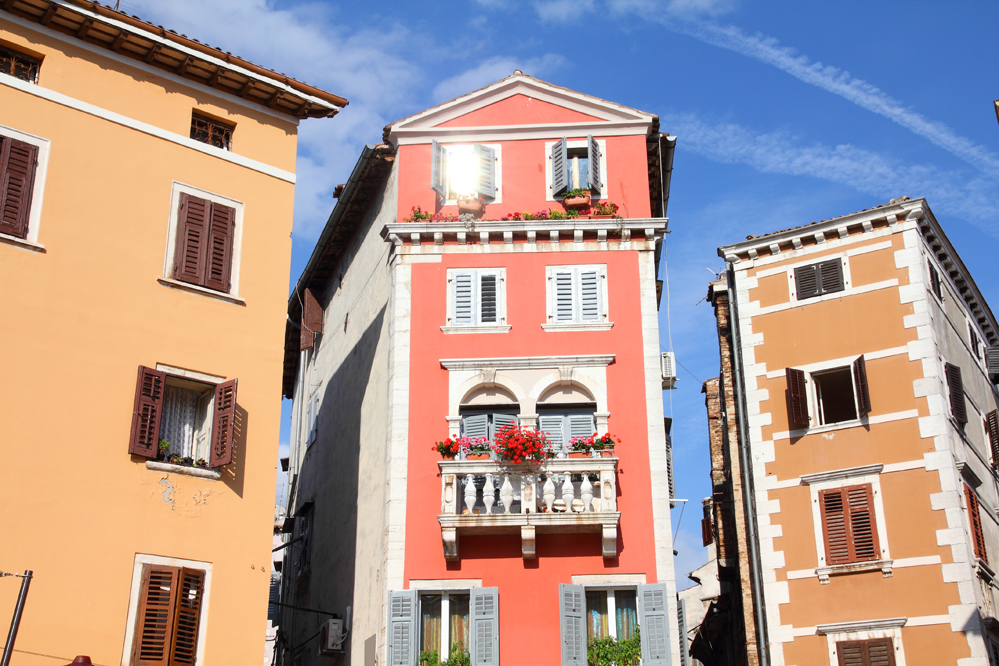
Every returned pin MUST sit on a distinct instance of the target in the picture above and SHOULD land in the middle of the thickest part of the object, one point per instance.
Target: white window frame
(461, 147)
(312, 418)
(445, 648)
(894, 633)
(133, 601)
(171, 241)
(847, 278)
(37, 191)
(501, 326)
(551, 325)
(611, 603)
(812, 395)
(569, 145)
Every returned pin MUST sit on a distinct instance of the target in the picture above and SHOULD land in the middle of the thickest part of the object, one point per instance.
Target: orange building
(855, 440)
(148, 184)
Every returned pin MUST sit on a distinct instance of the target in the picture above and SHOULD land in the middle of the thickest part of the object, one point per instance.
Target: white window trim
(133, 601)
(847, 279)
(894, 633)
(499, 327)
(578, 143)
(171, 241)
(444, 591)
(30, 241)
(611, 603)
(550, 325)
(312, 419)
(498, 148)
(812, 395)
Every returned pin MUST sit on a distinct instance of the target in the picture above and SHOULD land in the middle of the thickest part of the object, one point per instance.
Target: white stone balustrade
(556, 496)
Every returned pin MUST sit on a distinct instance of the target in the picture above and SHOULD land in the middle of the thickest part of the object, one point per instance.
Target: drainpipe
(762, 643)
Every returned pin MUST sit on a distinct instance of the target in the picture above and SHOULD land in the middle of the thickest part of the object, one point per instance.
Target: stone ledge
(198, 472)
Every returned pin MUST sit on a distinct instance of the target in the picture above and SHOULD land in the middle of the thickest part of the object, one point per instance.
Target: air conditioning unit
(669, 370)
(331, 637)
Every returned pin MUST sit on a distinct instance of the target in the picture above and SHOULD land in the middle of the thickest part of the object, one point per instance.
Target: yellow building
(147, 183)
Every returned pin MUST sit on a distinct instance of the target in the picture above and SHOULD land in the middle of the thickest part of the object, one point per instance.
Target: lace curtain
(180, 412)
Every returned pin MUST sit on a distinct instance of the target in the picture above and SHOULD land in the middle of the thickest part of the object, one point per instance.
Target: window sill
(828, 427)
(854, 567)
(198, 472)
(502, 328)
(599, 326)
(21, 243)
(195, 289)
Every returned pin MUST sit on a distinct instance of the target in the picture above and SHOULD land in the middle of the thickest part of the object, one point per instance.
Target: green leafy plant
(163, 446)
(575, 192)
(556, 214)
(201, 462)
(612, 652)
(176, 458)
(609, 208)
(459, 657)
(571, 213)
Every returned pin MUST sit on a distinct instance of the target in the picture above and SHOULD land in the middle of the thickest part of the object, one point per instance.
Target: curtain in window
(626, 603)
(180, 409)
(596, 614)
(430, 623)
(459, 620)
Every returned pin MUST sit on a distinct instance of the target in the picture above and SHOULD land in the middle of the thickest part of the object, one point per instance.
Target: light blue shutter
(572, 607)
(438, 169)
(562, 293)
(560, 179)
(476, 425)
(552, 427)
(589, 296)
(501, 420)
(580, 425)
(483, 633)
(594, 154)
(654, 624)
(485, 161)
(402, 630)
(681, 623)
(488, 302)
(463, 299)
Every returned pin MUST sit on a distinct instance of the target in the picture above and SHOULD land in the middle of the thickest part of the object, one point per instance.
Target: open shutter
(581, 425)
(223, 424)
(17, 179)
(590, 295)
(831, 276)
(552, 427)
(572, 607)
(806, 281)
(438, 170)
(594, 164)
(863, 529)
(654, 623)
(934, 280)
(485, 162)
(312, 320)
(463, 298)
(860, 385)
(992, 360)
(222, 227)
(402, 630)
(975, 518)
(835, 530)
(147, 412)
(488, 304)
(191, 590)
(190, 250)
(992, 425)
(475, 425)
(500, 421)
(797, 396)
(563, 309)
(956, 388)
(483, 634)
(154, 629)
(560, 175)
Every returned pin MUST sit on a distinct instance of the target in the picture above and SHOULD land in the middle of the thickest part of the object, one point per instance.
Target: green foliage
(556, 214)
(575, 192)
(163, 445)
(612, 652)
(459, 657)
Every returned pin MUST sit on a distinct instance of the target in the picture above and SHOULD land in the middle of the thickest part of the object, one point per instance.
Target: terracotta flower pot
(476, 456)
(579, 454)
(577, 202)
(473, 206)
(447, 456)
(606, 453)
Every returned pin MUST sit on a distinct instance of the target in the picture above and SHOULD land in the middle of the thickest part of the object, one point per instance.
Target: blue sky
(786, 112)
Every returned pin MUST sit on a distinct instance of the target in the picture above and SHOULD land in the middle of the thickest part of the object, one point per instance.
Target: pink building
(406, 331)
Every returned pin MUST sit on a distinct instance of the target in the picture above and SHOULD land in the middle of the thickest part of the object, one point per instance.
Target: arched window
(565, 412)
(485, 410)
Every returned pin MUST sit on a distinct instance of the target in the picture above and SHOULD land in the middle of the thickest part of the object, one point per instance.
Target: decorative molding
(208, 474)
(189, 374)
(22, 243)
(527, 362)
(836, 475)
(862, 625)
(445, 584)
(545, 227)
(476, 329)
(201, 291)
(885, 566)
(565, 328)
(609, 580)
(968, 474)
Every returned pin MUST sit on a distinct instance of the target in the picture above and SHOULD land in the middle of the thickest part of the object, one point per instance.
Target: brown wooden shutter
(956, 387)
(934, 280)
(154, 630)
(834, 526)
(188, 617)
(848, 524)
(863, 529)
(17, 179)
(312, 320)
(223, 424)
(975, 518)
(851, 653)
(147, 412)
(806, 281)
(190, 250)
(707, 533)
(876, 652)
(797, 396)
(831, 276)
(860, 384)
(992, 425)
(220, 234)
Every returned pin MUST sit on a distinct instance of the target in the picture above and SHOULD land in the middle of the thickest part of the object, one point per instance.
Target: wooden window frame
(30, 239)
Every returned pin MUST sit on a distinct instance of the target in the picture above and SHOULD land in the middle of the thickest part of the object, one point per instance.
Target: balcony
(554, 497)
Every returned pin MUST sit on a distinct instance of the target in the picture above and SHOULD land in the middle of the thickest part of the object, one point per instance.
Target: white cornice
(838, 474)
(862, 625)
(527, 362)
(519, 132)
(658, 225)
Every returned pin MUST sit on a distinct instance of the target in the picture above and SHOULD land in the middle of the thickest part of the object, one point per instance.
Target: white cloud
(680, 8)
(494, 69)
(563, 11)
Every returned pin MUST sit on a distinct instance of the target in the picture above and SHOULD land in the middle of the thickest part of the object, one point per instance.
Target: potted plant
(448, 448)
(518, 444)
(475, 448)
(175, 459)
(576, 198)
(604, 444)
(581, 447)
(162, 449)
(600, 211)
(471, 205)
(202, 463)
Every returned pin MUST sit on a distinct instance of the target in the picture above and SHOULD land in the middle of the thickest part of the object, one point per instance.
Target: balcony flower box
(580, 454)
(607, 453)
(476, 456)
(474, 207)
(576, 199)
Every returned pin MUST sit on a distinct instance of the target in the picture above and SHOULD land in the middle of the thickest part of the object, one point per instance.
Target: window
(976, 345)
(814, 280)
(975, 522)
(465, 171)
(311, 324)
(599, 613)
(574, 165)
(18, 163)
(169, 616)
(18, 65)
(562, 423)
(444, 623)
(200, 417)
(837, 394)
(611, 613)
(303, 556)
(955, 388)
(848, 524)
(213, 132)
(991, 423)
(203, 249)
(935, 286)
(487, 421)
(577, 295)
(312, 419)
(472, 618)
(476, 298)
(877, 652)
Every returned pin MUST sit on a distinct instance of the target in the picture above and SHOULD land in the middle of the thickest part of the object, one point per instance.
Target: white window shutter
(464, 298)
(652, 618)
(438, 169)
(572, 610)
(552, 427)
(488, 299)
(593, 148)
(475, 425)
(484, 626)
(402, 630)
(560, 174)
(589, 296)
(502, 420)
(580, 425)
(992, 360)
(485, 161)
(562, 294)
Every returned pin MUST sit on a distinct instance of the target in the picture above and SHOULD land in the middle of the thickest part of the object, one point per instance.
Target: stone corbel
(565, 374)
(454, 426)
(609, 541)
(449, 536)
(527, 545)
(489, 377)
(601, 418)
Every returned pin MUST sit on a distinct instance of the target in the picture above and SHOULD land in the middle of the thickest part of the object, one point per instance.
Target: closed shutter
(992, 425)
(147, 413)
(463, 299)
(848, 525)
(500, 421)
(190, 250)
(189, 602)
(312, 320)
(992, 360)
(797, 396)
(572, 599)
(834, 526)
(18, 161)
(220, 233)
(438, 170)
(831, 276)
(552, 427)
(580, 425)
(863, 529)
(274, 598)
(475, 425)
(806, 281)
(975, 518)
(594, 163)
(154, 628)
(483, 633)
(563, 297)
(877, 652)
(402, 631)
(707, 533)
(681, 623)
(488, 302)
(956, 388)
(860, 385)
(589, 296)
(654, 623)
(560, 175)
(485, 161)
(223, 424)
